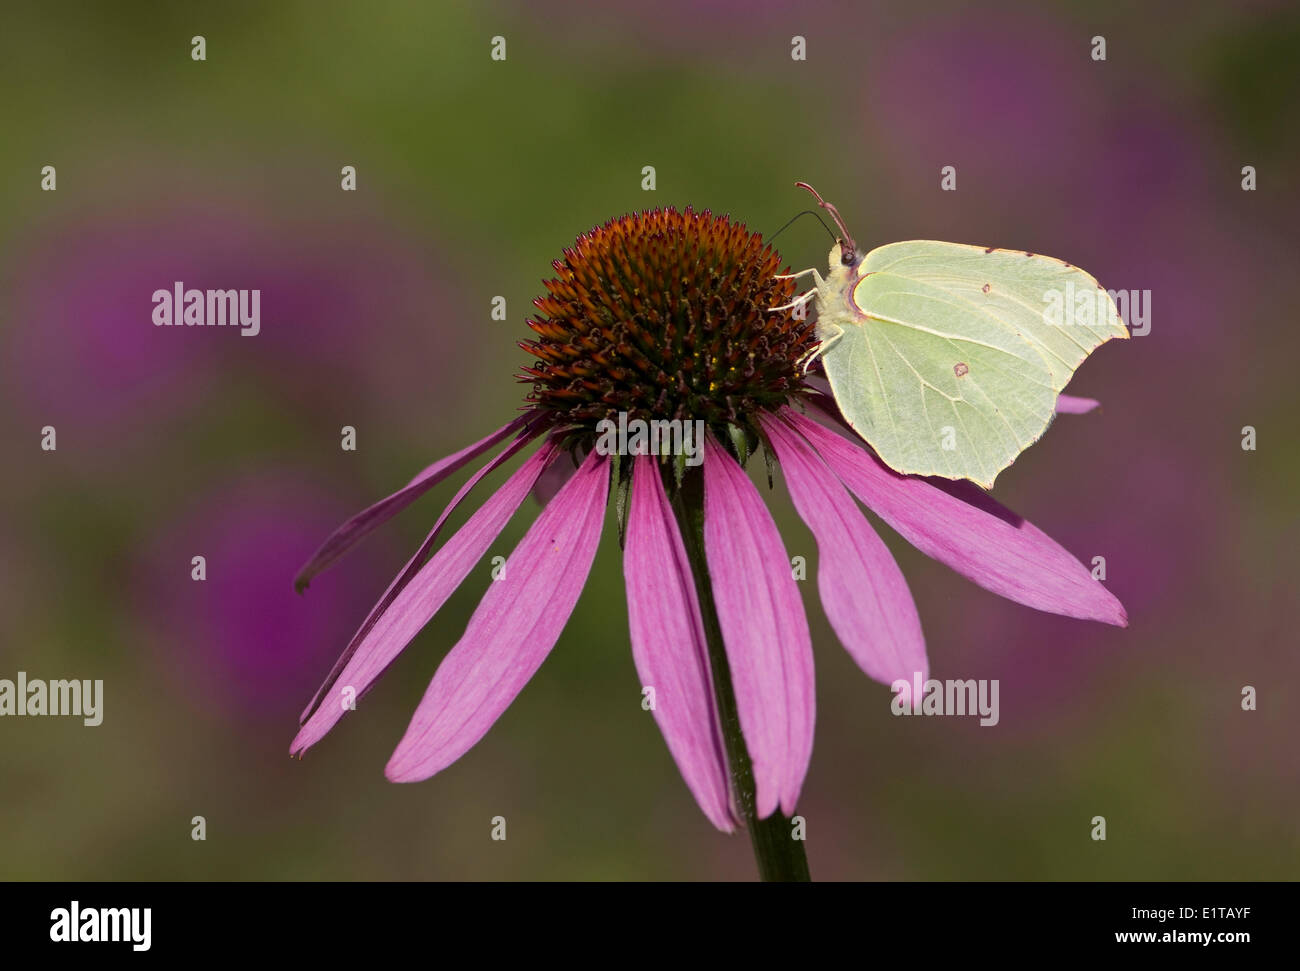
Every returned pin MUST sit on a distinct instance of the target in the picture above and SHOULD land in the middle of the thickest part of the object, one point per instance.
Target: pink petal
(391, 630)
(553, 479)
(959, 525)
(512, 631)
(414, 564)
(1068, 404)
(862, 588)
(668, 644)
(368, 520)
(764, 630)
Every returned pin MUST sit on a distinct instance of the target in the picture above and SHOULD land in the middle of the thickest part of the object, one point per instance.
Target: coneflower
(667, 316)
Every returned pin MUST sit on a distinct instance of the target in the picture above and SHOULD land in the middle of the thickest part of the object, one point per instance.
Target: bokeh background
(473, 174)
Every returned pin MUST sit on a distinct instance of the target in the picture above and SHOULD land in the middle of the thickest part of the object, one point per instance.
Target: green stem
(780, 857)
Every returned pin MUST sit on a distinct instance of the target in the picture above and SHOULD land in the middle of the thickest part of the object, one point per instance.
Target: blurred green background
(472, 176)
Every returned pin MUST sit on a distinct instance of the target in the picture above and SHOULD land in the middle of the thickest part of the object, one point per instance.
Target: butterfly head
(845, 252)
(844, 257)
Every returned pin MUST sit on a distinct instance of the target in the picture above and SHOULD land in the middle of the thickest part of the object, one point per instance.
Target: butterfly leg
(828, 340)
(817, 277)
(797, 301)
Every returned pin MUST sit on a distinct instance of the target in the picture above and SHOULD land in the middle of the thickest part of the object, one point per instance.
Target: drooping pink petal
(764, 630)
(862, 589)
(668, 644)
(957, 524)
(553, 479)
(414, 564)
(1068, 404)
(512, 631)
(391, 630)
(368, 520)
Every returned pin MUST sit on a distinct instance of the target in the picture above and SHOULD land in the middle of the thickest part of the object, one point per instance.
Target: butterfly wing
(952, 356)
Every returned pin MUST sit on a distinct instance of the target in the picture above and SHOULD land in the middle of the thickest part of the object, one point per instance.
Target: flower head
(666, 316)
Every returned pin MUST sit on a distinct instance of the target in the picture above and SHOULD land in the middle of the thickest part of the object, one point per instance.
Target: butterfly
(947, 358)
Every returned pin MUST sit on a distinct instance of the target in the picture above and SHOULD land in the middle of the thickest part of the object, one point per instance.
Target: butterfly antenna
(850, 247)
(806, 212)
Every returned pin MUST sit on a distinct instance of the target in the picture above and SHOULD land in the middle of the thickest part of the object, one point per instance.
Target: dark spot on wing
(1029, 254)
(990, 249)
(960, 369)
(985, 288)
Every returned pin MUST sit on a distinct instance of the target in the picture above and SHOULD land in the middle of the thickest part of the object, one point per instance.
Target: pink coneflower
(665, 315)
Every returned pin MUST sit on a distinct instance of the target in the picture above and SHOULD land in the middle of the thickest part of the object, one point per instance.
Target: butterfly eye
(848, 254)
